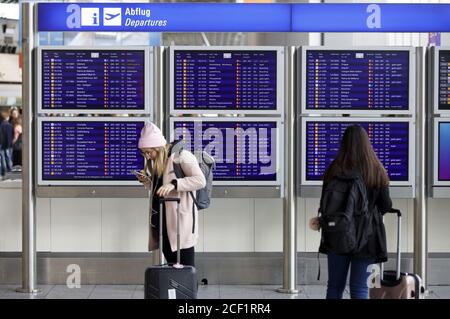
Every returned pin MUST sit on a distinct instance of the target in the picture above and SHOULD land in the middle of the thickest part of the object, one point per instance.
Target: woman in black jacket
(357, 155)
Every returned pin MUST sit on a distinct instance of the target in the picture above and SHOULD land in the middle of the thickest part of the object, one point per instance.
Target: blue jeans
(5, 161)
(338, 266)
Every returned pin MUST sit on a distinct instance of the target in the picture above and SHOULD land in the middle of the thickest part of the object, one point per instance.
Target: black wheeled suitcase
(170, 281)
(396, 284)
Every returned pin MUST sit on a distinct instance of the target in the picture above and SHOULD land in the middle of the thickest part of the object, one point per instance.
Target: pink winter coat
(193, 180)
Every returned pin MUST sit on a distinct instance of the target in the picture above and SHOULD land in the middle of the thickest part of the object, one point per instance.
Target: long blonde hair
(156, 167)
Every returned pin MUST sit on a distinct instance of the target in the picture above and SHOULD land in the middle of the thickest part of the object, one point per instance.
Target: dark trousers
(187, 256)
(17, 157)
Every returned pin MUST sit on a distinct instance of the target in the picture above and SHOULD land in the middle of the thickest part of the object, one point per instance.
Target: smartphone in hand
(142, 177)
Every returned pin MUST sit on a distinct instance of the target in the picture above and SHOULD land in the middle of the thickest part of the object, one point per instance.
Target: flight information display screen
(243, 151)
(390, 141)
(90, 150)
(444, 80)
(93, 80)
(357, 80)
(225, 80)
(444, 152)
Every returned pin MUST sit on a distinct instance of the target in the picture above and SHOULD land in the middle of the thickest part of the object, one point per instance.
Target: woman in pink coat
(163, 183)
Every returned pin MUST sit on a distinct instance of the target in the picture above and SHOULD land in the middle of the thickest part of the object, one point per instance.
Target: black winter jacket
(6, 135)
(379, 203)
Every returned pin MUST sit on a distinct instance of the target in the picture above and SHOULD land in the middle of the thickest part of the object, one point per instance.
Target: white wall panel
(76, 225)
(10, 220)
(229, 226)
(301, 224)
(43, 224)
(125, 224)
(268, 224)
(439, 225)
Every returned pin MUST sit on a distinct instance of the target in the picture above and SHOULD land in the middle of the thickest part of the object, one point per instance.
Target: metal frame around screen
(87, 183)
(435, 71)
(280, 140)
(301, 69)
(148, 85)
(280, 79)
(411, 146)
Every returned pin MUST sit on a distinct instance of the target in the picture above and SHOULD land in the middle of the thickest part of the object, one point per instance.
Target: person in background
(17, 141)
(13, 114)
(7, 133)
(163, 182)
(356, 155)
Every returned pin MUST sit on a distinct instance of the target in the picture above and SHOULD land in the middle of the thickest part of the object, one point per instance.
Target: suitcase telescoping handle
(399, 234)
(161, 211)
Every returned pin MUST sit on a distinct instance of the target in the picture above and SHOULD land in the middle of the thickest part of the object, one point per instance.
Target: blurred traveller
(7, 133)
(17, 141)
(13, 114)
(356, 159)
(162, 182)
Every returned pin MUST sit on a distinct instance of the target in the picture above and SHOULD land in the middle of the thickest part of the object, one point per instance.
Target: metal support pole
(158, 87)
(290, 188)
(420, 200)
(159, 116)
(29, 277)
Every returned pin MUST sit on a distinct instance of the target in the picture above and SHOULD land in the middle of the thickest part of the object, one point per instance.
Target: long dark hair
(356, 153)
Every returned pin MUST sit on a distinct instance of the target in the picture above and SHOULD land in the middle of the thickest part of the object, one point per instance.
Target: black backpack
(345, 218)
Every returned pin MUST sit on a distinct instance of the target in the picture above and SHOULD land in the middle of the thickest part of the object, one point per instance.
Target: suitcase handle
(161, 201)
(395, 211)
(399, 234)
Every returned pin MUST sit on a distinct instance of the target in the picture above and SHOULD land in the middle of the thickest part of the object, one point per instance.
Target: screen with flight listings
(90, 150)
(111, 80)
(357, 80)
(243, 150)
(390, 141)
(225, 80)
(444, 80)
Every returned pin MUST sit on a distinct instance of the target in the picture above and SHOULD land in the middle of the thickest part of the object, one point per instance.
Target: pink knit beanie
(151, 136)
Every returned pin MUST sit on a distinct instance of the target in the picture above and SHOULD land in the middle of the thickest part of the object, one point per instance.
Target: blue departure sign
(243, 150)
(225, 80)
(164, 17)
(90, 150)
(370, 17)
(243, 17)
(107, 80)
(357, 80)
(390, 141)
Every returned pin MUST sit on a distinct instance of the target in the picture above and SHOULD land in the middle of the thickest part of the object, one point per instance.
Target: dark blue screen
(444, 151)
(390, 141)
(357, 80)
(93, 80)
(244, 151)
(225, 80)
(92, 151)
(444, 80)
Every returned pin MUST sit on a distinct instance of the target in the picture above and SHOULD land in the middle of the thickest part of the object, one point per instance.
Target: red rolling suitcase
(396, 284)
(170, 281)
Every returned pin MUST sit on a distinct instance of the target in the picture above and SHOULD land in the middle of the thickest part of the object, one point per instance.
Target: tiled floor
(205, 292)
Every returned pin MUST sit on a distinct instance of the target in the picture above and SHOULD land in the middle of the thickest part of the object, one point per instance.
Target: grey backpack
(207, 163)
